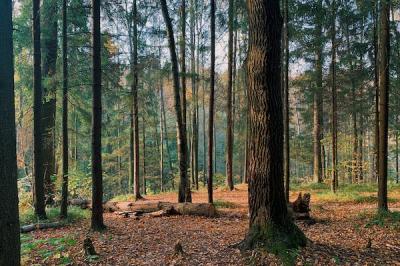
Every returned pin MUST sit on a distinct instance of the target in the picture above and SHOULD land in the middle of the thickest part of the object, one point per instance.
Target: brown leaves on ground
(340, 236)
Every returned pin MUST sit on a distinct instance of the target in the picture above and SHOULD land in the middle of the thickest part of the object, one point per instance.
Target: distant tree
(97, 176)
(9, 220)
(211, 106)
(64, 193)
(184, 192)
(270, 224)
(38, 191)
(383, 59)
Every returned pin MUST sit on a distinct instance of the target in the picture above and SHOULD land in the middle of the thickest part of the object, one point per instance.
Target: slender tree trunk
(97, 176)
(211, 107)
(397, 156)
(286, 145)
(334, 184)
(64, 197)
(384, 54)
(318, 100)
(166, 138)
(49, 10)
(376, 85)
(38, 191)
(184, 186)
(269, 221)
(229, 127)
(9, 220)
(161, 142)
(144, 155)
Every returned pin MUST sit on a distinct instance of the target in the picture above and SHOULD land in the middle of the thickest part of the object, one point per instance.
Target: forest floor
(347, 232)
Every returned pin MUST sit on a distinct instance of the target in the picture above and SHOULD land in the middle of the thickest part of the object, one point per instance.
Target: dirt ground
(341, 236)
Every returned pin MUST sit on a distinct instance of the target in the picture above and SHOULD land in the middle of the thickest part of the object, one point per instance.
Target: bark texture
(9, 220)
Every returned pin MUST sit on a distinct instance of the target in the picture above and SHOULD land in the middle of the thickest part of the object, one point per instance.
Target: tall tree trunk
(38, 191)
(211, 106)
(97, 175)
(318, 99)
(269, 221)
(9, 229)
(184, 186)
(64, 194)
(144, 155)
(397, 156)
(229, 127)
(286, 144)
(136, 170)
(161, 141)
(49, 10)
(334, 184)
(376, 85)
(384, 54)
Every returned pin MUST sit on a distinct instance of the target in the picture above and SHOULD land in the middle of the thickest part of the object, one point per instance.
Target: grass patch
(385, 218)
(52, 248)
(74, 214)
(309, 186)
(220, 204)
(124, 197)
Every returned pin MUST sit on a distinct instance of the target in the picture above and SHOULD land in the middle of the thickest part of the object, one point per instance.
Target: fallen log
(161, 208)
(39, 226)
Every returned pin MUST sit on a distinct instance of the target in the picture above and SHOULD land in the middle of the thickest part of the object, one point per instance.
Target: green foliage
(74, 214)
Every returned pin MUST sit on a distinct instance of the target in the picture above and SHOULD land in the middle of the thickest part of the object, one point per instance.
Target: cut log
(39, 226)
(197, 209)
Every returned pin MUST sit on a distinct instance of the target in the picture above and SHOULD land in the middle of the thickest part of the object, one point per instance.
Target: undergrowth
(74, 214)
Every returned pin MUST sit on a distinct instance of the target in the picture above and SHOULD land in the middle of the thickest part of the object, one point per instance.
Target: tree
(64, 194)
(334, 184)
(317, 135)
(383, 59)
(286, 144)
(97, 175)
(38, 192)
(184, 192)
(229, 107)
(211, 106)
(9, 231)
(270, 224)
(48, 11)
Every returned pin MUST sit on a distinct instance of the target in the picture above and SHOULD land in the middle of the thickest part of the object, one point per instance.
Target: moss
(280, 240)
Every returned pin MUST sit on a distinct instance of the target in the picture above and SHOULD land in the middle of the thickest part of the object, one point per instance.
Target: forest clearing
(188, 132)
(345, 225)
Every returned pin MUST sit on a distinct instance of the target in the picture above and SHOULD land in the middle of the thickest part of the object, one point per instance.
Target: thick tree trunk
(286, 144)
(269, 221)
(49, 10)
(97, 175)
(64, 194)
(38, 190)
(384, 54)
(9, 220)
(229, 118)
(184, 186)
(211, 107)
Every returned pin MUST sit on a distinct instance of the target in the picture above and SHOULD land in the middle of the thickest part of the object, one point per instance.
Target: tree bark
(384, 54)
(64, 194)
(318, 98)
(229, 118)
(269, 220)
(184, 186)
(97, 223)
(49, 10)
(211, 106)
(9, 220)
(286, 144)
(334, 184)
(38, 190)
